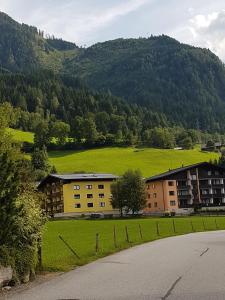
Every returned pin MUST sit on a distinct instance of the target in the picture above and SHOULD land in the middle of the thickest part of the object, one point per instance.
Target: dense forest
(153, 90)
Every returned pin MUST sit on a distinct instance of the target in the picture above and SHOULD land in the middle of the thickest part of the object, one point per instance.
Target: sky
(86, 22)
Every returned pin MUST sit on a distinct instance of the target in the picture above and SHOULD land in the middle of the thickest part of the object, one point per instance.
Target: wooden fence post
(127, 234)
(203, 222)
(97, 243)
(217, 227)
(69, 247)
(140, 231)
(157, 228)
(174, 227)
(114, 236)
(192, 227)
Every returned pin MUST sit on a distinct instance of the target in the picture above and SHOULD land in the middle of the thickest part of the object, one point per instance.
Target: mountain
(24, 48)
(184, 83)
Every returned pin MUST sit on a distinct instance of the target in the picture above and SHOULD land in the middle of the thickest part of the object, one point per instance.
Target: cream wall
(69, 201)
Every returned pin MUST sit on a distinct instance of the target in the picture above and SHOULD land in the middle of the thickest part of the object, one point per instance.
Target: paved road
(185, 267)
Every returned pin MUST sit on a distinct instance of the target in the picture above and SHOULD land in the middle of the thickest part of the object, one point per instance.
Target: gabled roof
(178, 170)
(79, 177)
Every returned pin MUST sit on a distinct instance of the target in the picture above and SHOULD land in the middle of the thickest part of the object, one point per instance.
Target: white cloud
(87, 23)
(73, 20)
(209, 31)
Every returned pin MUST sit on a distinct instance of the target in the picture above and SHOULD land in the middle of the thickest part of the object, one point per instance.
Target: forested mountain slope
(23, 47)
(183, 83)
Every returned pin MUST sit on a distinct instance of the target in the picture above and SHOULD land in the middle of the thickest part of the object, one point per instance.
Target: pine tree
(39, 159)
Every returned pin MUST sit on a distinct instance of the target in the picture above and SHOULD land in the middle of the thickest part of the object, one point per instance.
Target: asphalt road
(182, 267)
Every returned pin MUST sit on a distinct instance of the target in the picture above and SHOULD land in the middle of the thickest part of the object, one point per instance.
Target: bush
(5, 257)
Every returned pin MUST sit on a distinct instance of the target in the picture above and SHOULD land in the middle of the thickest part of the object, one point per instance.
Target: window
(194, 177)
(171, 193)
(77, 196)
(77, 205)
(89, 196)
(154, 195)
(148, 186)
(173, 203)
(90, 204)
(101, 196)
(149, 205)
(101, 187)
(89, 187)
(205, 191)
(183, 193)
(217, 173)
(102, 204)
(209, 173)
(153, 186)
(155, 204)
(76, 187)
(171, 183)
(217, 181)
(149, 196)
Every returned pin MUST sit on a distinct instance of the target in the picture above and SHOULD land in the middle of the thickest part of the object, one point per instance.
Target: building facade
(77, 194)
(199, 185)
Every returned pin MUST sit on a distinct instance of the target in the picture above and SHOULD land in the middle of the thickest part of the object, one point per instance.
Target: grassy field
(22, 136)
(118, 160)
(81, 235)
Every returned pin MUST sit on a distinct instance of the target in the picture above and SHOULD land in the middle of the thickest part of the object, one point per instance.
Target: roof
(83, 177)
(178, 170)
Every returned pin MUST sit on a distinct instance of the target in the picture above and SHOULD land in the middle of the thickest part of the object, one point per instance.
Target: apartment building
(198, 185)
(76, 194)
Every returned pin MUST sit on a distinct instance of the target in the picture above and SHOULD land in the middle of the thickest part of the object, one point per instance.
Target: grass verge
(81, 236)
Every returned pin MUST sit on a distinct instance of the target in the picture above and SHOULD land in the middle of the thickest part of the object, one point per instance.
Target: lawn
(118, 160)
(22, 136)
(81, 236)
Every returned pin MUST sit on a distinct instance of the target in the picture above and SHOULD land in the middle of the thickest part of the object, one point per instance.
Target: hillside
(118, 160)
(183, 84)
(187, 84)
(24, 48)
(149, 161)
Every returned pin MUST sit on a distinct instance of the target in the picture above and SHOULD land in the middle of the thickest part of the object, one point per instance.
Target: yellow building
(76, 194)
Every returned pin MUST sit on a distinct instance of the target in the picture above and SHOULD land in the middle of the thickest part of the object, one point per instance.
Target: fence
(70, 243)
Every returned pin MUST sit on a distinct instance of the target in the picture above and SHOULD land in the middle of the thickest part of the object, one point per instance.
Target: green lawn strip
(81, 236)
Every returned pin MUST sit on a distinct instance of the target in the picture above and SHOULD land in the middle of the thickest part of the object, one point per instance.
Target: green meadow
(117, 160)
(22, 136)
(81, 237)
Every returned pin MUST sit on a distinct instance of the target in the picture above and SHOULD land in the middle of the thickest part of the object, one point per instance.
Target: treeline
(63, 112)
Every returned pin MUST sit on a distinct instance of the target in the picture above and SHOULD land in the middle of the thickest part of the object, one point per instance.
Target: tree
(39, 160)
(9, 191)
(42, 134)
(186, 143)
(128, 193)
(134, 191)
(60, 131)
(118, 200)
(90, 131)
